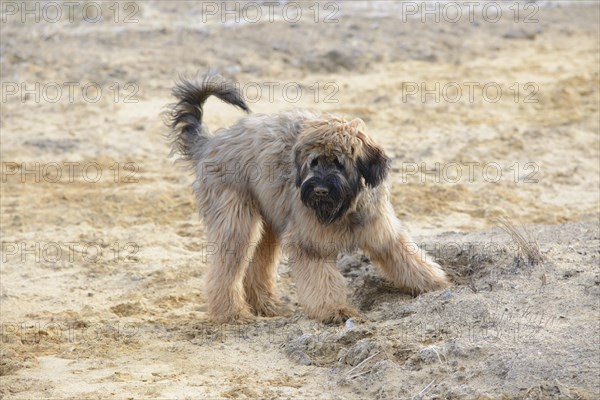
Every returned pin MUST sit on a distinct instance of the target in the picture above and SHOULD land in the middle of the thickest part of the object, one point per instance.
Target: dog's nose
(321, 191)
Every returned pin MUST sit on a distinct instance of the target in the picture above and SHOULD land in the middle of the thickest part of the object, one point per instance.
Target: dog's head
(334, 161)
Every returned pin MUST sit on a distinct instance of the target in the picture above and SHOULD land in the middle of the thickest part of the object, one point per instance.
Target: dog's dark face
(326, 188)
(334, 161)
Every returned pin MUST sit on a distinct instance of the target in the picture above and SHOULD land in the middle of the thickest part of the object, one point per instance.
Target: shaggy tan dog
(306, 183)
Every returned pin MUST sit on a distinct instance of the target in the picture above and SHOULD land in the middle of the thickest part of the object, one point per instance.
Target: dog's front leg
(402, 260)
(321, 288)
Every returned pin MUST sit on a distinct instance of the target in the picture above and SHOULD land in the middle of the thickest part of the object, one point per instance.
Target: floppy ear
(373, 165)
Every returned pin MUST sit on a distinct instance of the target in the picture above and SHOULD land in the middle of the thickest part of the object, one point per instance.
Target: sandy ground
(101, 273)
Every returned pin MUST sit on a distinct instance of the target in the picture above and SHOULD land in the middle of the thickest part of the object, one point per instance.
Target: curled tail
(188, 134)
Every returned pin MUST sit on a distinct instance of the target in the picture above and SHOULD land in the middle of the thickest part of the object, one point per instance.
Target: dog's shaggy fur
(306, 183)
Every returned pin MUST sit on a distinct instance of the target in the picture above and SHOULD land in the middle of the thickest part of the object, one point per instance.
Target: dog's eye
(314, 162)
(338, 164)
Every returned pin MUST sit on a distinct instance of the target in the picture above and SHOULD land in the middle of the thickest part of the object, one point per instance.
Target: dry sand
(122, 314)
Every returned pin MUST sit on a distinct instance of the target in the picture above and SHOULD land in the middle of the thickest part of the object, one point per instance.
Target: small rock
(349, 324)
(428, 355)
(359, 352)
(300, 357)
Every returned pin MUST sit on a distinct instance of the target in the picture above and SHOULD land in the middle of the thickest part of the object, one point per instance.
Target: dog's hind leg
(259, 282)
(234, 228)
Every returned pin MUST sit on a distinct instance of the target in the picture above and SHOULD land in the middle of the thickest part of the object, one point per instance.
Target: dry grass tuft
(527, 245)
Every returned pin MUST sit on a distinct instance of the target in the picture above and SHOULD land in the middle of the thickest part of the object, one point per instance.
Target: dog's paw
(438, 279)
(237, 317)
(267, 308)
(431, 277)
(338, 314)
